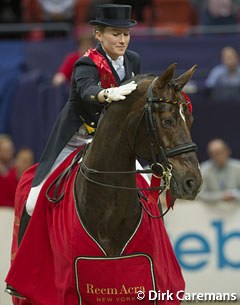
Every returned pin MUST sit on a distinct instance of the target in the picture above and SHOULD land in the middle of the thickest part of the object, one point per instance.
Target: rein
(160, 188)
(93, 171)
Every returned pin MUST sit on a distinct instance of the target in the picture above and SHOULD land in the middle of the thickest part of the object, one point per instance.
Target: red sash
(106, 76)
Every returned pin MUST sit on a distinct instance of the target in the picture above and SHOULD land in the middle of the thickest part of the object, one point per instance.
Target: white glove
(119, 93)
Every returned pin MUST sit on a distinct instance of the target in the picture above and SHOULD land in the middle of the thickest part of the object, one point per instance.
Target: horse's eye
(168, 122)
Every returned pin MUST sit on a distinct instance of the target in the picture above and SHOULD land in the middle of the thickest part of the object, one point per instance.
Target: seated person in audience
(217, 12)
(221, 174)
(23, 160)
(6, 153)
(8, 182)
(85, 42)
(223, 81)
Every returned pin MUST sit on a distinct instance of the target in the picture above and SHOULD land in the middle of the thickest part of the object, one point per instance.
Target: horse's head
(159, 131)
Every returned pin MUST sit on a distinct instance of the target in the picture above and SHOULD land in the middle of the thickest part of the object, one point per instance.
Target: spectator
(23, 160)
(64, 73)
(223, 81)
(221, 174)
(217, 12)
(6, 153)
(8, 182)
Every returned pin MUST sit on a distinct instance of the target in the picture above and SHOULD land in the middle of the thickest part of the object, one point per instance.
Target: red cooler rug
(59, 262)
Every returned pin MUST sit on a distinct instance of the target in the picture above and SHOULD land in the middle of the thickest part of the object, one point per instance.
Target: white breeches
(34, 192)
(80, 138)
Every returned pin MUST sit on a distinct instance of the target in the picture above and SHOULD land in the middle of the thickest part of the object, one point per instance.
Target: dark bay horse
(111, 214)
(153, 123)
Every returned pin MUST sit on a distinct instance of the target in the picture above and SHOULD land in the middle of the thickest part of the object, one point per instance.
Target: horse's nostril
(190, 183)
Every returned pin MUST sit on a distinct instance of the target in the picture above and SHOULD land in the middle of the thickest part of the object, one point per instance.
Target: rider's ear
(184, 78)
(165, 77)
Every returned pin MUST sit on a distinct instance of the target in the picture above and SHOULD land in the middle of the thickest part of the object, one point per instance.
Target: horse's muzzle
(187, 189)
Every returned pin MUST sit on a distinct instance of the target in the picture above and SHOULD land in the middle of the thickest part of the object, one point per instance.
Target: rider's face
(114, 40)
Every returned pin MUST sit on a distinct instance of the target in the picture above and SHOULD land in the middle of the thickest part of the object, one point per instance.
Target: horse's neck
(110, 150)
(112, 154)
(110, 214)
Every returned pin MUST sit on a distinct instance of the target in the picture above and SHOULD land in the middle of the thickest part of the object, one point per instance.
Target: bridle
(160, 166)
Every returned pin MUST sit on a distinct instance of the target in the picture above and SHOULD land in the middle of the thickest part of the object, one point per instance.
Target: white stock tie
(119, 67)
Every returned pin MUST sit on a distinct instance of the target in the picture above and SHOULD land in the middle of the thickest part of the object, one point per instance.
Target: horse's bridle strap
(181, 149)
(163, 153)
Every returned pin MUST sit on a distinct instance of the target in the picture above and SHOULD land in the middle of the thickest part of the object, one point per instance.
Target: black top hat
(114, 15)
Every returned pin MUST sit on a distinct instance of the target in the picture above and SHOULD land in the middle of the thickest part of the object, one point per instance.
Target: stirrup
(10, 290)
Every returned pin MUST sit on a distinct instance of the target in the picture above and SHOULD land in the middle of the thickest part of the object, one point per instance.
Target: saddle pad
(101, 280)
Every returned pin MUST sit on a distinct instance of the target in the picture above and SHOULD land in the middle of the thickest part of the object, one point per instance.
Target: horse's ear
(166, 76)
(185, 77)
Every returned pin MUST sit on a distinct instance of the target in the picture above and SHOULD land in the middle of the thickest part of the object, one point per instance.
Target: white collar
(118, 62)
